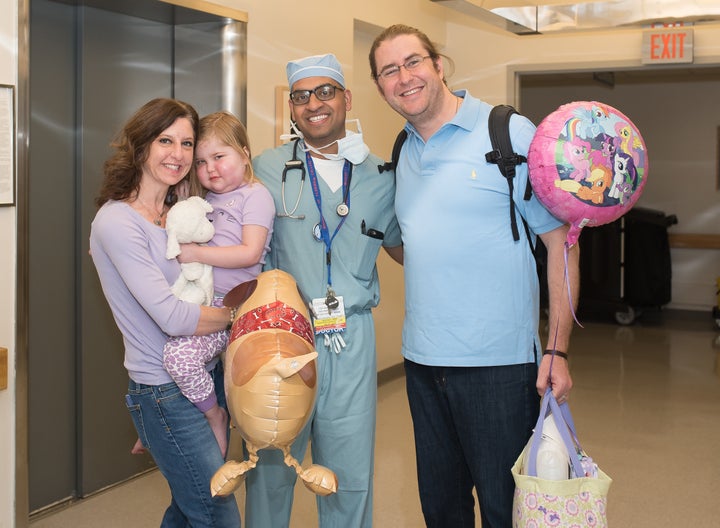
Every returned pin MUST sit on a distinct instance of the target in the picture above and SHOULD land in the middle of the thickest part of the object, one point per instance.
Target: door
(92, 64)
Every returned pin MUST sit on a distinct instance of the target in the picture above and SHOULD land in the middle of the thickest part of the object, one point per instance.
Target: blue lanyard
(324, 231)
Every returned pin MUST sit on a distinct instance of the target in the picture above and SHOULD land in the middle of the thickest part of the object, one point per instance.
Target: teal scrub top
(294, 248)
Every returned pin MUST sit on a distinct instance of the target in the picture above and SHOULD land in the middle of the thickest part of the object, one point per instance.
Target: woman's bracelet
(555, 353)
(233, 313)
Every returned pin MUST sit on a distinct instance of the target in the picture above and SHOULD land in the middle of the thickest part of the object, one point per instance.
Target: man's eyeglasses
(388, 72)
(324, 92)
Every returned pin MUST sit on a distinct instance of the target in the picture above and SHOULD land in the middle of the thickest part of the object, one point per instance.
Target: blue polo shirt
(471, 291)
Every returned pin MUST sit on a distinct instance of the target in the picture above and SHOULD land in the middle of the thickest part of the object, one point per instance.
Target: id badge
(327, 320)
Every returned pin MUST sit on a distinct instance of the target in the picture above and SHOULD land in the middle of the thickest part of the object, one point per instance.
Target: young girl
(243, 214)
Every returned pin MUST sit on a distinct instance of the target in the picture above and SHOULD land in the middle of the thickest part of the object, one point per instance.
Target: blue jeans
(179, 438)
(470, 424)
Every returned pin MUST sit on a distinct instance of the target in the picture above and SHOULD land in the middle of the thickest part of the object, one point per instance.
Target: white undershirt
(330, 171)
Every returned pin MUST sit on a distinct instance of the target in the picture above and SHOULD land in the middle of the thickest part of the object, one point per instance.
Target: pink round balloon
(588, 164)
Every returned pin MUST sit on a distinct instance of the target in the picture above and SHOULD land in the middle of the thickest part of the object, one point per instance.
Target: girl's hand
(188, 253)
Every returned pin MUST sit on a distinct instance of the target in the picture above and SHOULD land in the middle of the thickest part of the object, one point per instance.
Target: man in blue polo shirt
(473, 357)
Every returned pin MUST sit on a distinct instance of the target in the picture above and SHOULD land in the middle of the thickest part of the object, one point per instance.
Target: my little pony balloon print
(588, 164)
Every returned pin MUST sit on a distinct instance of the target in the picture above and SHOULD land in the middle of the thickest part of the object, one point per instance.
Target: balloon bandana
(270, 377)
(588, 165)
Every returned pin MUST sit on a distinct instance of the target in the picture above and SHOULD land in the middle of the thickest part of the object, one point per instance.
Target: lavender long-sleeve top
(129, 255)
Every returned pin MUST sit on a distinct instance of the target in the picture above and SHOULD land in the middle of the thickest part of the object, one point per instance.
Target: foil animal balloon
(588, 165)
(270, 377)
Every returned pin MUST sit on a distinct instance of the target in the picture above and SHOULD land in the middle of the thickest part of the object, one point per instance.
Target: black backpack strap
(503, 155)
(395, 156)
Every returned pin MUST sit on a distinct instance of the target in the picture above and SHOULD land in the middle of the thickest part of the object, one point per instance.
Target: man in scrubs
(335, 211)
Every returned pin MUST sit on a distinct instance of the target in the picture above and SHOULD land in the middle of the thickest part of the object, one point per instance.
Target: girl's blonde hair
(228, 129)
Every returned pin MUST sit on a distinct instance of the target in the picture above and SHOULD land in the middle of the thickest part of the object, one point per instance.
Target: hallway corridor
(646, 404)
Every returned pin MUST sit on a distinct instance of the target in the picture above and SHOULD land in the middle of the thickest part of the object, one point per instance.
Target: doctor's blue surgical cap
(315, 66)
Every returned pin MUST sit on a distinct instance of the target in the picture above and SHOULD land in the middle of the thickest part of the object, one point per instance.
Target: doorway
(675, 109)
(92, 64)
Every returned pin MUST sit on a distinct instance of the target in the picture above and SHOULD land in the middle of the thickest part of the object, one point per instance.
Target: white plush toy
(187, 222)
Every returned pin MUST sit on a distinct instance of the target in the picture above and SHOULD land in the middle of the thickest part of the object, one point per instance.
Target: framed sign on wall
(7, 144)
(282, 113)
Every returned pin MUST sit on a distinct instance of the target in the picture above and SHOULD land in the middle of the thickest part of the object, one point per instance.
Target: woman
(153, 155)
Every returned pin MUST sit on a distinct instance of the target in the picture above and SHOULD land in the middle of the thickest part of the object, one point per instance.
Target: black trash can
(625, 265)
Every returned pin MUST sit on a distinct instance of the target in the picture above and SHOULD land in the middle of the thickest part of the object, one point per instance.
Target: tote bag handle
(565, 425)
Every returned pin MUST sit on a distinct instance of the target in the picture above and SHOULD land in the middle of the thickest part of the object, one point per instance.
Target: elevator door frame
(96, 378)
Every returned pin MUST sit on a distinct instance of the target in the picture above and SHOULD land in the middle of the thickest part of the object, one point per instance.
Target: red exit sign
(663, 46)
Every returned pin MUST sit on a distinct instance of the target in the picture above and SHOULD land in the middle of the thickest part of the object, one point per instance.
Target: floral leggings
(185, 359)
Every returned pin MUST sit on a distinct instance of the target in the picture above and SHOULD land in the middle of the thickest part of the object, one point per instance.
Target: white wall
(8, 75)
(279, 30)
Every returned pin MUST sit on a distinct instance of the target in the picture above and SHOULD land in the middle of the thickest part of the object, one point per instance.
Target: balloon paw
(229, 478)
(320, 480)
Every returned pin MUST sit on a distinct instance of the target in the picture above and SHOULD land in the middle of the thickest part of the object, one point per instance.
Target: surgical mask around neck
(351, 147)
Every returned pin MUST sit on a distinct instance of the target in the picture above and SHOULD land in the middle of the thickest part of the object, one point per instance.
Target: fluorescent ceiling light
(545, 16)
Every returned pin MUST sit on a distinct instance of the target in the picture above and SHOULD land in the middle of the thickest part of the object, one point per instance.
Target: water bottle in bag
(552, 457)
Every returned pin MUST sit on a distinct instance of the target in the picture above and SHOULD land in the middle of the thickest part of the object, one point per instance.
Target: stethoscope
(295, 163)
(321, 231)
(291, 164)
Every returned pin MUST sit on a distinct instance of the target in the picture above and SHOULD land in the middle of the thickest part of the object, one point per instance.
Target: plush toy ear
(173, 247)
(202, 203)
(208, 207)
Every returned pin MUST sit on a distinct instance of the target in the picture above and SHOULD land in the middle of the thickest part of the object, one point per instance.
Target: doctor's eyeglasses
(324, 92)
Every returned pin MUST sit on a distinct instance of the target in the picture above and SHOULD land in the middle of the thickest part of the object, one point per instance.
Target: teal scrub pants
(341, 434)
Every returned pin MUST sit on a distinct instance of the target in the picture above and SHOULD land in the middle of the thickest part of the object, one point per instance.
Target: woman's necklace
(156, 217)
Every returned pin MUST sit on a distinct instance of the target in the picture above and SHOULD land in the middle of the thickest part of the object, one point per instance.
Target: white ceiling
(545, 16)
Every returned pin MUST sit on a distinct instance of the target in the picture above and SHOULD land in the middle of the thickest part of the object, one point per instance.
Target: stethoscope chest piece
(317, 232)
(342, 209)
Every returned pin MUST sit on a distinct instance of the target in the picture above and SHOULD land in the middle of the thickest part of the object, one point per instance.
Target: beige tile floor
(646, 405)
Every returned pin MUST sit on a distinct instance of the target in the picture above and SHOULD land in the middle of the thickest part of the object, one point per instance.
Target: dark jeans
(470, 424)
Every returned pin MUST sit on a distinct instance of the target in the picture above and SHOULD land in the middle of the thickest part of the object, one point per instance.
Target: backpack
(506, 159)
(502, 155)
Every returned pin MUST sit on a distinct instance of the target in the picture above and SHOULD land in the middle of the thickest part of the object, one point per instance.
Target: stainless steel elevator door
(91, 67)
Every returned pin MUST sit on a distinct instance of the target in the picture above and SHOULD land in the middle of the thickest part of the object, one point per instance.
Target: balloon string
(566, 281)
(569, 289)
(554, 347)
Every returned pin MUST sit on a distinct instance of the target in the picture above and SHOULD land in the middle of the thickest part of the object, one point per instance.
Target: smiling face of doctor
(321, 122)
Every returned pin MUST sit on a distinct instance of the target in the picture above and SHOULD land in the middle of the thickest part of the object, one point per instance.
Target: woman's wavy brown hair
(123, 170)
